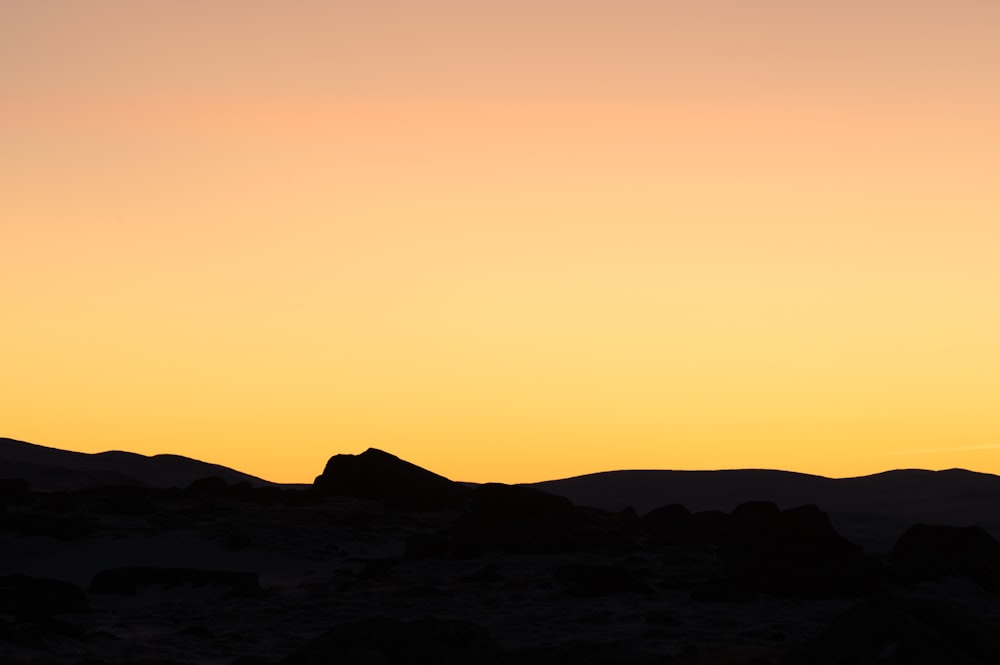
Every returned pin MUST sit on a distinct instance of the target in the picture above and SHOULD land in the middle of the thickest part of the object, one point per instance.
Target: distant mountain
(870, 510)
(865, 508)
(52, 469)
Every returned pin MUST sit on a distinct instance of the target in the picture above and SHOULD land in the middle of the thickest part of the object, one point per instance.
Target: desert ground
(383, 562)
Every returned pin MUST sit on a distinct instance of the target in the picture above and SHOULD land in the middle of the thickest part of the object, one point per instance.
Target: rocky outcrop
(667, 525)
(37, 597)
(517, 503)
(674, 524)
(794, 553)
(516, 519)
(930, 552)
(401, 485)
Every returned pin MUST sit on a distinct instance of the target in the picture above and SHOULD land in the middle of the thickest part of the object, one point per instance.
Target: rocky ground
(221, 574)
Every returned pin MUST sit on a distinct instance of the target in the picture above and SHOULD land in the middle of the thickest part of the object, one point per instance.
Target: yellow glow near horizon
(510, 244)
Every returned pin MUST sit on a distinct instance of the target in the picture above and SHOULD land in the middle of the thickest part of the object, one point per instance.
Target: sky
(507, 241)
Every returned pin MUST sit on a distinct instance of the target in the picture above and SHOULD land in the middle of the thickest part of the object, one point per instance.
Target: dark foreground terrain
(382, 562)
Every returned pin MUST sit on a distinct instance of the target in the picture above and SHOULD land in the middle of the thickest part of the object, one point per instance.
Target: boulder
(605, 532)
(515, 519)
(38, 597)
(513, 503)
(208, 487)
(121, 499)
(794, 553)
(674, 524)
(437, 545)
(667, 525)
(930, 552)
(524, 520)
(709, 527)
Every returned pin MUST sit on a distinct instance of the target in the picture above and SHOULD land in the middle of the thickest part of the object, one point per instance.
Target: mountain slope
(869, 509)
(52, 469)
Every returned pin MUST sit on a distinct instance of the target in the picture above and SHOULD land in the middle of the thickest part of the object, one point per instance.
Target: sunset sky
(507, 241)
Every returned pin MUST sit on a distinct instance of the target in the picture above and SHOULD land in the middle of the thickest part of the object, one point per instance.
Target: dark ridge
(383, 561)
(722, 490)
(51, 469)
(871, 510)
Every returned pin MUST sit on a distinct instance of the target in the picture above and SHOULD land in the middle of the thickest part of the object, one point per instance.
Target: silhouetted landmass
(51, 469)
(872, 510)
(382, 561)
(892, 492)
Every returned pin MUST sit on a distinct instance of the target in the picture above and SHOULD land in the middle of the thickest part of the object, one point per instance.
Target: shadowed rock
(514, 518)
(895, 631)
(525, 520)
(511, 503)
(667, 525)
(794, 553)
(930, 552)
(439, 545)
(674, 524)
(604, 532)
(522, 520)
(709, 526)
(14, 488)
(375, 474)
(49, 526)
(388, 641)
(209, 486)
(37, 597)
(121, 499)
(42, 634)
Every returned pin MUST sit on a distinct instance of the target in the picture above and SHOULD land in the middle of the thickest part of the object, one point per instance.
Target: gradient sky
(507, 241)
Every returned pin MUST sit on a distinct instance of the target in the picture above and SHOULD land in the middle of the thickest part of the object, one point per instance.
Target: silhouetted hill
(52, 469)
(880, 503)
(376, 474)
(383, 561)
(872, 510)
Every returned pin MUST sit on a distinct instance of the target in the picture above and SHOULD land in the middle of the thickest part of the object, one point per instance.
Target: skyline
(507, 243)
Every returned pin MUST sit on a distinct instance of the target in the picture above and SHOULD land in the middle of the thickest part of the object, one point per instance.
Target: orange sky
(507, 241)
